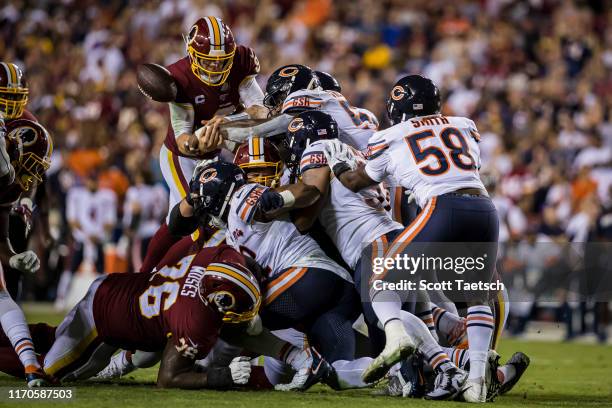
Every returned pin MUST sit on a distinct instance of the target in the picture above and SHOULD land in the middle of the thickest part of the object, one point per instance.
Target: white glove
(410, 197)
(25, 262)
(240, 368)
(302, 362)
(201, 164)
(337, 152)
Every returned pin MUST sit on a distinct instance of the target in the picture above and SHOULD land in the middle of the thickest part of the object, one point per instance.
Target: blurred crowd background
(534, 75)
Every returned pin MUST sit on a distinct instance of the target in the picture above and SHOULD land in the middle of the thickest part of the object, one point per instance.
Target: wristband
(288, 198)
(340, 168)
(219, 377)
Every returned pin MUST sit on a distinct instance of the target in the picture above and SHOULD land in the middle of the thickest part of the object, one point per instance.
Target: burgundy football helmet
(232, 290)
(13, 91)
(29, 146)
(211, 48)
(261, 161)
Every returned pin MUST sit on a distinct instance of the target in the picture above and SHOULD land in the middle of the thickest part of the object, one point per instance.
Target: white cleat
(474, 390)
(395, 351)
(118, 367)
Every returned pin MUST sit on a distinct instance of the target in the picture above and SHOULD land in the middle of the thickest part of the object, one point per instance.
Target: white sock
(144, 359)
(508, 371)
(387, 306)
(436, 357)
(459, 357)
(16, 329)
(480, 325)
(349, 372)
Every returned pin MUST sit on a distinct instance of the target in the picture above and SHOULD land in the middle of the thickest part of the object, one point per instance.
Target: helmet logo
(25, 134)
(192, 34)
(208, 175)
(288, 71)
(296, 124)
(397, 93)
(223, 300)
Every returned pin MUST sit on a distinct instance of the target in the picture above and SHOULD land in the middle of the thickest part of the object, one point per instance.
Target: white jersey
(355, 125)
(429, 155)
(352, 220)
(276, 245)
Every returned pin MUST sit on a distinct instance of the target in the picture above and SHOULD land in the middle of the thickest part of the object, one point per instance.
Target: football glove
(270, 200)
(340, 157)
(310, 368)
(240, 368)
(25, 262)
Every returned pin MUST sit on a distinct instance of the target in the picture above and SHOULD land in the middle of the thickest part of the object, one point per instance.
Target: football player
(294, 88)
(258, 224)
(25, 155)
(437, 158)
(180, 308)
(214, 81)
(354, 220)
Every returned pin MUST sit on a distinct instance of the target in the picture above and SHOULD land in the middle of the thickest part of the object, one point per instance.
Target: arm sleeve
(180, 226)
(245, 203)
(274, 126)
(313, 157)
(181, 118)
(250, 92)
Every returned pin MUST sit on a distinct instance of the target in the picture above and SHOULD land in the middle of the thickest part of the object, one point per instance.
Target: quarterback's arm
(319, 178)
(252, 97)
(177, 371)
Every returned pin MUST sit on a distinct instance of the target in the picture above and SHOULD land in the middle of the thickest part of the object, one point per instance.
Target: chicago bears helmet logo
(296, 124)
(208, 175)
(397, 93)
(288, 71)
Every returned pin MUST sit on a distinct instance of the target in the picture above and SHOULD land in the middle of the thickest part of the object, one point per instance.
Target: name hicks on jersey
(457, 284)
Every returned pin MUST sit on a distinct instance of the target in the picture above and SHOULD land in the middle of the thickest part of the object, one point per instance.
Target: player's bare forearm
(176, 371)
(356, 180)
(305, 218)
(304, 194)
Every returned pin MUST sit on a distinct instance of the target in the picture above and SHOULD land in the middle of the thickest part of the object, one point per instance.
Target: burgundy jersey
(207, 100)
(141, 311)
(11, 193)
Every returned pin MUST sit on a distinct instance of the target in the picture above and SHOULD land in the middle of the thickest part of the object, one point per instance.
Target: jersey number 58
(457, 149)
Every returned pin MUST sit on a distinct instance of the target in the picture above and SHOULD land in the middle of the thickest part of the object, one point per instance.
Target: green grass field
(560, 375)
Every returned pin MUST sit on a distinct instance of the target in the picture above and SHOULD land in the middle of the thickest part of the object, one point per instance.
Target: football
(156, 82)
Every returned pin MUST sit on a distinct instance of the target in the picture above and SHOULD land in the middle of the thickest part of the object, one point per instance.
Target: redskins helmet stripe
(215, 27)
(256, 150)
(211, 48)
(242, 279)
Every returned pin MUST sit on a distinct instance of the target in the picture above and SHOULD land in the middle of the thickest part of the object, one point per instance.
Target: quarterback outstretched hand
(240, 368)
(25, 262)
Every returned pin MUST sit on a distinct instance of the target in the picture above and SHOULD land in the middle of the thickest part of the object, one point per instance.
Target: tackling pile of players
(262, 252)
